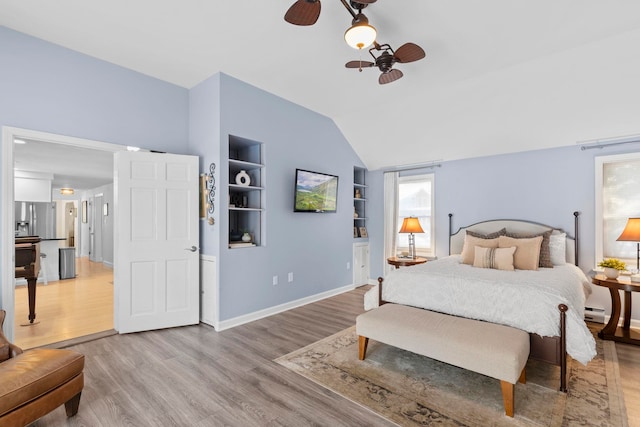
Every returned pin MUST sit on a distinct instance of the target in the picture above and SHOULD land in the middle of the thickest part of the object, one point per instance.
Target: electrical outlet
(290, 278)
(275, 280)
(348, 266)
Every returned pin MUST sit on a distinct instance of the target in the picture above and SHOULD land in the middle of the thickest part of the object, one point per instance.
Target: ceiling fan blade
(303, 12)
(359, 64)
(390, 76)
(409, 52)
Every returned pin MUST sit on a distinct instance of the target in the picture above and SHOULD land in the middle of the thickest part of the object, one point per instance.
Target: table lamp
(412, 225)
(631, 233)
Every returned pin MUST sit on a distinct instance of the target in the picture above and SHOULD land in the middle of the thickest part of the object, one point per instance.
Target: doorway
(9, 292)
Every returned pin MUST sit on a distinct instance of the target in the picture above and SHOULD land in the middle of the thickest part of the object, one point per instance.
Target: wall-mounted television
(315, 192)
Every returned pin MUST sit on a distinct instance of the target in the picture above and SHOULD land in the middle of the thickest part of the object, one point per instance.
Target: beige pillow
(470, 243)
(527, 253)
(498, 258)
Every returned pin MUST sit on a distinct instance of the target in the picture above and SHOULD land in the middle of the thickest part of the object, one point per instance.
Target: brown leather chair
(35, 382)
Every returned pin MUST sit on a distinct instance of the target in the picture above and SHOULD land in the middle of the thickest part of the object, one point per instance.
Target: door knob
(192, 249)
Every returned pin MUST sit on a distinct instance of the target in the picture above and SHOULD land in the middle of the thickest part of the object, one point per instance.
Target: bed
(548, 302)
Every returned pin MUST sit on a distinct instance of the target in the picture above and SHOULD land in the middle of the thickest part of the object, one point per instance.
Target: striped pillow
(496, 258)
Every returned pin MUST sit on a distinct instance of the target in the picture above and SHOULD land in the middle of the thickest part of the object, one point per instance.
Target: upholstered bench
(490, 349)
(35, 382)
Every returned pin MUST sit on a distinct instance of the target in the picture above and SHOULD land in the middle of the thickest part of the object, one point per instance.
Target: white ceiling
(500, 75)
(72, 167)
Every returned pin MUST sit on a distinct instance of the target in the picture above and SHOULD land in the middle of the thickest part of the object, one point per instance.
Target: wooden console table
(612, 331)
(405, 262)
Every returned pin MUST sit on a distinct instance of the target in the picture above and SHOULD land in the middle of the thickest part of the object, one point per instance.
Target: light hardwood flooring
(66, 309)
(196, 376)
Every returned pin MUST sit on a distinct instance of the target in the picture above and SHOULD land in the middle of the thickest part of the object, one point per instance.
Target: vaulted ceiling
(500, 75)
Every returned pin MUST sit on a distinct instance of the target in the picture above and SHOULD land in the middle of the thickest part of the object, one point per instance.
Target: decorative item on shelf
(246, 237)
(355, 213)
(363, 232)
(210, 193)
(631, 233)
(243, 178)
(355, 231)
(358, 195)
(612, 267)
(411, 225)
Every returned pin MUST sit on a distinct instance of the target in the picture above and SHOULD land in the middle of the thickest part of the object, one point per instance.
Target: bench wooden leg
(362, 346)
(507, 397)
(523, 376)
(71, 405)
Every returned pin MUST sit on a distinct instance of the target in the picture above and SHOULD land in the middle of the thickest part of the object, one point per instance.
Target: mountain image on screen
(315, 192)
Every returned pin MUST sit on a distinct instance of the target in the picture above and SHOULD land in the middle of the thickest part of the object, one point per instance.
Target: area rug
(409, 389)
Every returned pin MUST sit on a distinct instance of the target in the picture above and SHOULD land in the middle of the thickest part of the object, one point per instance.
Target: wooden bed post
(450, 232)
(575, 232)
(380, 302)
(563, 347)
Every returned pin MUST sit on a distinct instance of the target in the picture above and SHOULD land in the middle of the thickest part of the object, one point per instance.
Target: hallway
(68, 308)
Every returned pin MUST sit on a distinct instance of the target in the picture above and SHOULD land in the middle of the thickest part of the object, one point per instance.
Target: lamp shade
(631, 232)
(411, 225)
(360, 34)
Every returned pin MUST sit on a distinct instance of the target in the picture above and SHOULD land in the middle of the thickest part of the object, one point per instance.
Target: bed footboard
(546, 349)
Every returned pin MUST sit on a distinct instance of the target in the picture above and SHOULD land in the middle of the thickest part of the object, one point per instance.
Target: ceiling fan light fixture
(360, 35)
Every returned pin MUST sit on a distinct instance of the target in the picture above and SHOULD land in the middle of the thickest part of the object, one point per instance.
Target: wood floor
(68, 308)
(195, 376)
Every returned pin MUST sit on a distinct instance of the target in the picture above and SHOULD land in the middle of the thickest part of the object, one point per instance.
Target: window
(617, 183)
(415, 198)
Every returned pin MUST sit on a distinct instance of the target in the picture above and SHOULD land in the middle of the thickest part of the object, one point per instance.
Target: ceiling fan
(306, 12)
(408, 52)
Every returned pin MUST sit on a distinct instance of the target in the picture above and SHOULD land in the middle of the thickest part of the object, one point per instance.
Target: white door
(156, 269)
(360, 264)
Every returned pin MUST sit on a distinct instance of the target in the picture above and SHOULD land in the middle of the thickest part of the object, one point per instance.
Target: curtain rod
(428, 165)
(608, 142)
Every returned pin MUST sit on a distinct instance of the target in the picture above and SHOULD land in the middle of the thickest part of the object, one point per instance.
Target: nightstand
(405, 262)
(611, 331)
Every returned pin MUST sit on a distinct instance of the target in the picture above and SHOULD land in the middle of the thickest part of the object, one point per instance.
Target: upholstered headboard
(456, 240)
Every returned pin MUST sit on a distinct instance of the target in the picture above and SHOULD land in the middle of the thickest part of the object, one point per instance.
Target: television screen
(315, 192)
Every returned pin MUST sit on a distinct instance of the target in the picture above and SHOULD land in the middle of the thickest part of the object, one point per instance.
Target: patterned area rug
(409, 389)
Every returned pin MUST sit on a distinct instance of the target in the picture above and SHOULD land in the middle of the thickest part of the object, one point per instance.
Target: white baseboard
(256, 315)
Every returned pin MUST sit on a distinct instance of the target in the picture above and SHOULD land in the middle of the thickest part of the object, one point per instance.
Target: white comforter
(526, 300)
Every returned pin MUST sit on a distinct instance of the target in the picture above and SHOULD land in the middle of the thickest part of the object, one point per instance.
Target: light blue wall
(314, 247)
(48, 88)
(204, 141)
(544, 186)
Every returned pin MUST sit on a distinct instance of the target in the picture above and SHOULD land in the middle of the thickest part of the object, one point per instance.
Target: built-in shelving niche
(246, 202)
(360, 203)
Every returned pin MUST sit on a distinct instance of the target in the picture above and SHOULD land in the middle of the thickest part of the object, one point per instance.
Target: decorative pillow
(470, 242)
(527, 253)
(498, 258)
(545, 254)
(495, 234)
(558, 248)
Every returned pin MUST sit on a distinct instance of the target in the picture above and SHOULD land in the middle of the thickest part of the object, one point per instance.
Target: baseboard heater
(594, 314)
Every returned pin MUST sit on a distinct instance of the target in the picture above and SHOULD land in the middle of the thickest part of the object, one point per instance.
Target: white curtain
(620, 183)
(390, 216)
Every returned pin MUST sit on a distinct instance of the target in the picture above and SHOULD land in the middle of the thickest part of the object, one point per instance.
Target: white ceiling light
(19, 141)
(360, 35)
(66, 191)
